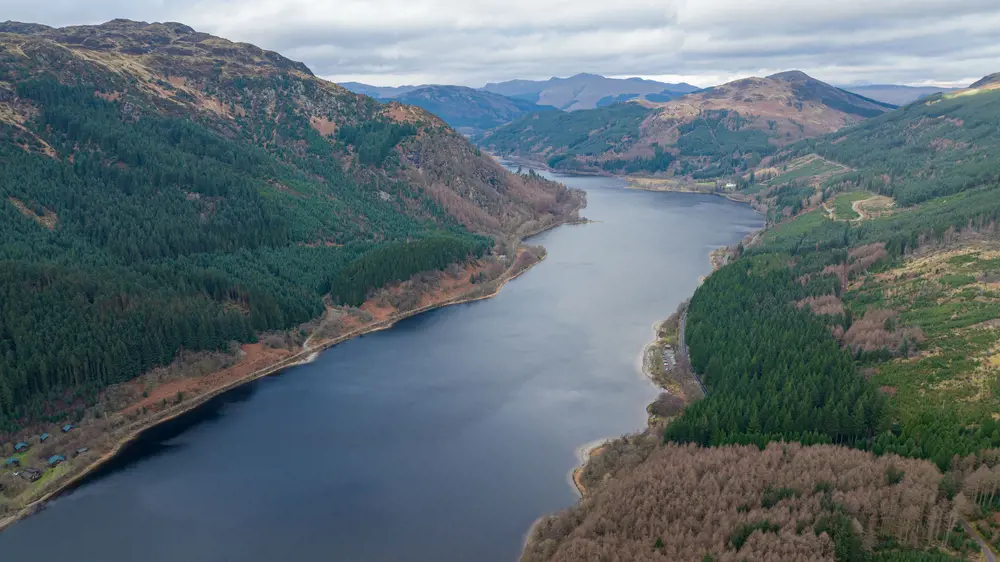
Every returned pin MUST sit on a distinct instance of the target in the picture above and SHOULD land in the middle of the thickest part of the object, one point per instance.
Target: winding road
(987, 551)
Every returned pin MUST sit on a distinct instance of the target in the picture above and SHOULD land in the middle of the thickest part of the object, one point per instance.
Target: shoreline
(585, 451)
(735, 198)
(583, 454)
(631, 181)
(304, 356)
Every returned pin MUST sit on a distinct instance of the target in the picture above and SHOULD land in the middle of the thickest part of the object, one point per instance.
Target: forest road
(990, 556)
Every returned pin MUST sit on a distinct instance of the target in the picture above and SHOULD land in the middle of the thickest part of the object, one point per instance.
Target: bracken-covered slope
(468, 110)
(164, 189)
(705, 134)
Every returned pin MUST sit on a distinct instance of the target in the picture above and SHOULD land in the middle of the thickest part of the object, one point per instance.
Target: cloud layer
(391, 42)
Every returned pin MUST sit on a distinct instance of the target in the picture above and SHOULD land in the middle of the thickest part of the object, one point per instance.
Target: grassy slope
(843, 205)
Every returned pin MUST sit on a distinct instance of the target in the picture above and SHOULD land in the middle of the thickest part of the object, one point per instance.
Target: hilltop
(165, 189)
(696, 135)
(587, 91)
(987, 81)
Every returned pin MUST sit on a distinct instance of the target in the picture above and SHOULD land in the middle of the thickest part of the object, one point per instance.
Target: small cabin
(43, 437)
(13, 461)
(66, 428)
(31, 474)
(22, 446)
(56, 459)
(81, 451)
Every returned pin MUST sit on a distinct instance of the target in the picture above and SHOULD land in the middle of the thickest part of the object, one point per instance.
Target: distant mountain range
(587, 91)
(473, 111)
(582, 91)
(709, 133)
(379, 92)
(896, 94)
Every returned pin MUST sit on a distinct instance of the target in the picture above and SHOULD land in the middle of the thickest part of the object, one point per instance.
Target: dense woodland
(137, 269)
(735, 503)
(756, 348)
(136, 225)
(773, 371)
(584, 134)
(942, 145)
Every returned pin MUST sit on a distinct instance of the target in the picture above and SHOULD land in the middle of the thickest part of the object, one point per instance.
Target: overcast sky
(471, 42)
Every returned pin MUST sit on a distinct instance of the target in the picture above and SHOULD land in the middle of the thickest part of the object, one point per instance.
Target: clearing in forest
(812, 168)
(844, 205)
(947, 302)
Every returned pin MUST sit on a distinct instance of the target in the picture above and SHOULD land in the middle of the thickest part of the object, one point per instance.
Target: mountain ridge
(179, 190)
(696, 135)
(583, 90)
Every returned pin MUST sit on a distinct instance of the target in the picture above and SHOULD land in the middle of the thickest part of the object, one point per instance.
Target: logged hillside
(932, 163)
(712, 133)
(164, 189)
(467, 110)
(861, 326)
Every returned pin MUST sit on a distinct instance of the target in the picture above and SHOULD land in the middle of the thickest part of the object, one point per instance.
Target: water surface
(440, 440)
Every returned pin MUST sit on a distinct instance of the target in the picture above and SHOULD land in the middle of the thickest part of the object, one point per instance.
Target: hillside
(991, 80)
(938, 146)
(467, 110)
(896, 94)
(706, 134)
(864, 317)
(586, 91)
(164, 189)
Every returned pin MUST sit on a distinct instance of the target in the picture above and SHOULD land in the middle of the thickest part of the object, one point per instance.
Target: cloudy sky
(471, 42)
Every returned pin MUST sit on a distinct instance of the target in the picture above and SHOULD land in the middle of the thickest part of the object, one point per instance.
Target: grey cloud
(472, 42)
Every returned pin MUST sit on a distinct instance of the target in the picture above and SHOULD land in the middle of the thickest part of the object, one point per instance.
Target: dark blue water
(439, 440)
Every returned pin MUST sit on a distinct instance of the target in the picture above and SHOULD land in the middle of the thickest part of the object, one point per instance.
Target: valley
(866, 336)
(249, 313)
(481, 404)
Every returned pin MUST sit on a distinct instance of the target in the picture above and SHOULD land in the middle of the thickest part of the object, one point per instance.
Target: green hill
(163, 189)
(878, 334)
(916, 330)
(711, 133)
(468, 110)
